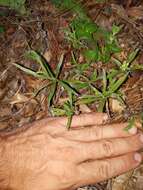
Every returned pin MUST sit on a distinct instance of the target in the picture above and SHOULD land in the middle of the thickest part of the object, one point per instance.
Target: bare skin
(48, 157)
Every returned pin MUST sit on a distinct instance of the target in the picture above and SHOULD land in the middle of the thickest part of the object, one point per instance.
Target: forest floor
(42, 30)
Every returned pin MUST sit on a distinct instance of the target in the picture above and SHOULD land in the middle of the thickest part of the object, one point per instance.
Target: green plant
(110, 86)
(68, 109)
(131, 123)
(18, 5)
(97, 44)
(84, 84)
(126, 66)
(2, 29)
(53, 80)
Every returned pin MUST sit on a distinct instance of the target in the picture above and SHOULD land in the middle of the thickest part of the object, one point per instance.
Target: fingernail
(138, 157)
(133, 130)
(141, 138)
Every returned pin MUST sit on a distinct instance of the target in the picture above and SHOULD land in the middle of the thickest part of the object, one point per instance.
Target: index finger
(83, 120)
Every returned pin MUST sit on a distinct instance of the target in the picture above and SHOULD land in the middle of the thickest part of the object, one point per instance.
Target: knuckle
(107, 147)
(105, 169)
(98, 133)
(95, 133)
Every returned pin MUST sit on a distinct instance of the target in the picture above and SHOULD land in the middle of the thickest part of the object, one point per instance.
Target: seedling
(110, 89)
(53, 78)
(126, 66)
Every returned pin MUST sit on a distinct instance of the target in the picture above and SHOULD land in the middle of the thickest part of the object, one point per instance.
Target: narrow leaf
(59, 66)
(36, 57)
(52, 93)
(27, 70)
(68, 87)
(117, 84)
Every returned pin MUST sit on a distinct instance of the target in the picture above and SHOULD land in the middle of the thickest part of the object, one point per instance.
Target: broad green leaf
(84, 29)
(114, 48)
(91, 55)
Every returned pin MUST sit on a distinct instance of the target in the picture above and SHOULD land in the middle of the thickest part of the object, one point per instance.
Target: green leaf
(94, 76)
(67, 87)
(96, 91)
(2, 30)
(114, 48)
(18, 5)
(131, 124)
(116, 61)
(136, 67)
(33, 55)
(132, 56)
(68, 108)
(58, 111)
(101, 105)
(91, 55)
(59, 66)
(84, 29)
(69, 121)
(77, 84)
(70, 4)
(115, 29)
(51, 94)
(82, 67)
(112, 75)
(86, 99)
(28, 71)
(117, 84)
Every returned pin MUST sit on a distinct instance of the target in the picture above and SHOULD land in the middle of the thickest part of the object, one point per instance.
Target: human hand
(48, 157)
